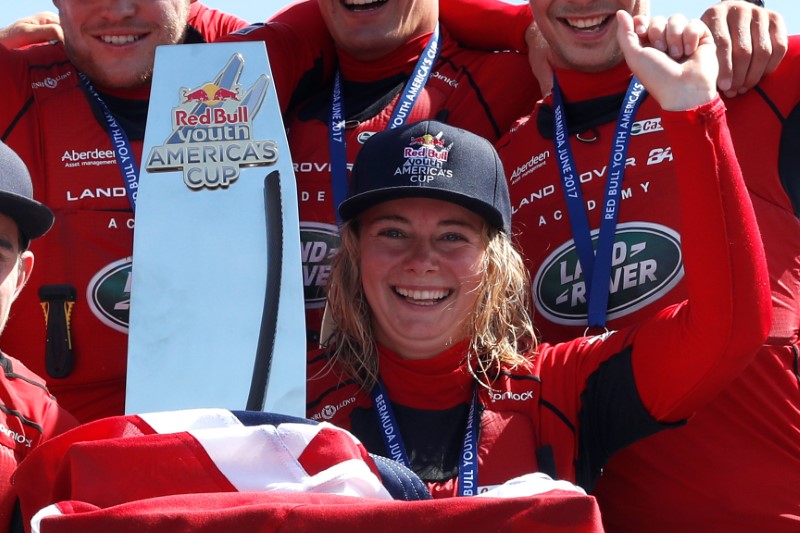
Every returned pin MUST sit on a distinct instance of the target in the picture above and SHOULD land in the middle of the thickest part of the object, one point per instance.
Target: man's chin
(587, 63)
(112, 72)
(123, 80)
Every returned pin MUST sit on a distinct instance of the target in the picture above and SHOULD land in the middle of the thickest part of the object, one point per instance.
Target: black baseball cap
(16, 197)
(429, 159)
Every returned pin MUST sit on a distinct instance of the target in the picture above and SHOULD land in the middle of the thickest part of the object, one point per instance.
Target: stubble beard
(133, 76)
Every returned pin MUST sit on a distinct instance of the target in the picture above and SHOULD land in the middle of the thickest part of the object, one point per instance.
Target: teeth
(119, 39)
(361, 4)
(586, 23)
(419, 296)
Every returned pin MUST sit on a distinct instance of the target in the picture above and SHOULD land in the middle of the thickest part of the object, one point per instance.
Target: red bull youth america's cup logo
(212, 132)
(424, 158)
(427, 146)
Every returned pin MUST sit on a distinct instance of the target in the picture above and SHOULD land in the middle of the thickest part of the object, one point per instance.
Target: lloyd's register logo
(212, 133)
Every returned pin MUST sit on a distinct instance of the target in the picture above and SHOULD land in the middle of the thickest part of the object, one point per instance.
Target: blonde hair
(500, 327)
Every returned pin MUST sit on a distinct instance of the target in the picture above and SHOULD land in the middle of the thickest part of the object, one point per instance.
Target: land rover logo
(109, 294)
(364, 136)
(646, 264)
(318, 243)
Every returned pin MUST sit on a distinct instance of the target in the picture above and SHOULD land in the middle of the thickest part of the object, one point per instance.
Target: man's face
(371, 29)
(14, 267)
(114, 41)
(582, 34)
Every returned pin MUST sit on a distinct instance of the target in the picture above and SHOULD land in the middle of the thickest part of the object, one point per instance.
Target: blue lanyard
(402, 110)
(338, 150)
(468, 468)
(393, 441)
(126, 160)
(596, 266)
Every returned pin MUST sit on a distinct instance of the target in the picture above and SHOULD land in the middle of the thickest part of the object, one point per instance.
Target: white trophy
(217, 317)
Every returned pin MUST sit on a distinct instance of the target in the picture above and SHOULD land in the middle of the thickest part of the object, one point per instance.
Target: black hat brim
(355, 205)
(33, 218)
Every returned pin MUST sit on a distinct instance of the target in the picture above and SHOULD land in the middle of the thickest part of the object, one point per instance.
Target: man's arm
(213, 23)
(751, 41)
(487, 24)
(299, 46)
(38, 28)
(684, 355)
(45, 26)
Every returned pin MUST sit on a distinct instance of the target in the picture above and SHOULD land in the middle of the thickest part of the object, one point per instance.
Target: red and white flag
(215, 470)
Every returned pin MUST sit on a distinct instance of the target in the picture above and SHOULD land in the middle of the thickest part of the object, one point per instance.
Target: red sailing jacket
(578, 402)
(28, 416)
(58, 131)
(711, 474)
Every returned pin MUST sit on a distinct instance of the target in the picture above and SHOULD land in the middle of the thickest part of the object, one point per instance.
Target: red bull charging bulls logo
(424, 159)
(210, 94)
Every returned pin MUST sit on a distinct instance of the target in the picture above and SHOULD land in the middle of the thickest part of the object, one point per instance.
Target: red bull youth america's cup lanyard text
(396, 449)
(596, 265)
(126, 160)
(402, 110)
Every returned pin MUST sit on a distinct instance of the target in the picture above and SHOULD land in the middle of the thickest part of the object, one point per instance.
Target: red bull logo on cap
(425, 158)
(428, 140)
(429, 147)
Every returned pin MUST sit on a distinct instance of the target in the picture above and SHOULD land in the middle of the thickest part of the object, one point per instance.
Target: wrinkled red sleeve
(486, 24)
(212, 23)
(297, 40)
(687, 353)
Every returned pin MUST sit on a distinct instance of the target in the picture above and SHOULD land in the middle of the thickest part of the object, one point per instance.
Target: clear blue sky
(259, 10)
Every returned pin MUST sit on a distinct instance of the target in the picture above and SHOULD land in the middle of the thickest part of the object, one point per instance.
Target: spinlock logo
(16, 437)
(449, 81)
(508, 395)
(109, 294)
(318, 244)
(646, 264)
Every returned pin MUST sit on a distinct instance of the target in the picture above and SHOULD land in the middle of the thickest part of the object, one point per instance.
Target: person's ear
(24, 270)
